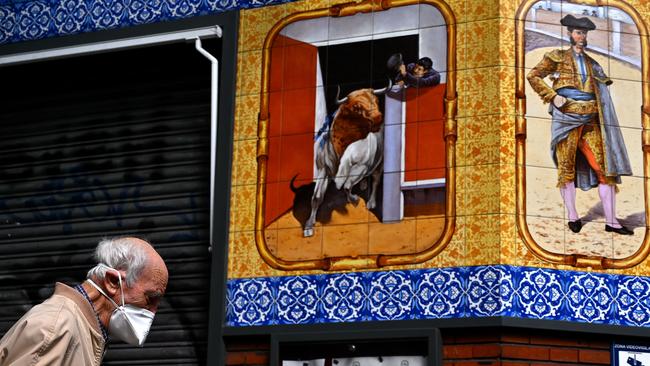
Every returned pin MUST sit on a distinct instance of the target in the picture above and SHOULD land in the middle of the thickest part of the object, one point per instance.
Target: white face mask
(128, 323)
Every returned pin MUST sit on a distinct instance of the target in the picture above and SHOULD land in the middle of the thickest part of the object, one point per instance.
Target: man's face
(419, 71)
(147, 292)
(578, 38)
(150, 287)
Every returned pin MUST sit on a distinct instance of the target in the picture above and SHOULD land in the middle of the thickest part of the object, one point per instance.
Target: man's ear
(112, 283)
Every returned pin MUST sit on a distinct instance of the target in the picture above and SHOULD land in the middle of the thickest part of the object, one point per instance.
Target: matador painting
(587, 146)
(583, 88)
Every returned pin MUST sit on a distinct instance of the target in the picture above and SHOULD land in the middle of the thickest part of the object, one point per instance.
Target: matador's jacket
(588, 103)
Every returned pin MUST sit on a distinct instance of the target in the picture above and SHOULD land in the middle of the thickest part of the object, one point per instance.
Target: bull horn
(384, 90)
(340, 101)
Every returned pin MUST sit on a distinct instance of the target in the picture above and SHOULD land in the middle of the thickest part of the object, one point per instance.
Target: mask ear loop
(119, 278)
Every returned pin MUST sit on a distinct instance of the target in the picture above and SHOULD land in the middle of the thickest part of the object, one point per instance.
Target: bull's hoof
(371, 204)
(307, 233)
(353, 199)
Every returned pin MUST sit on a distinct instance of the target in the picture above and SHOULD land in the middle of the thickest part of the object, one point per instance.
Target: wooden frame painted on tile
(578, 258)
(276, 47)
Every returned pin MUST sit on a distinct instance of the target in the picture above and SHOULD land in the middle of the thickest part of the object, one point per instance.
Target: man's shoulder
(51, 327)
(591, 59)
(56, 309)
(556, 55)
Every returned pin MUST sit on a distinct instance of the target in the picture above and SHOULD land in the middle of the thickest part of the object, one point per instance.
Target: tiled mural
(483, 291)
(450, 204)
(584, 158)
(365, 183)
(511, 225)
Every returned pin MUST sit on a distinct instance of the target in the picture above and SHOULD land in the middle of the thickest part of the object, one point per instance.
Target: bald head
(129, 254)
(155, 270)
(139, 266)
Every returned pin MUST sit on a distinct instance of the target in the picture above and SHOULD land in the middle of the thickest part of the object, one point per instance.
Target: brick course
(462, 347)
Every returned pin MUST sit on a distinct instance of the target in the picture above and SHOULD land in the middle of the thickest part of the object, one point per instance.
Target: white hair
(121, 253)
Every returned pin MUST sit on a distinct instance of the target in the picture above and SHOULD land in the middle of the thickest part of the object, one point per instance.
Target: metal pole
(213, 126)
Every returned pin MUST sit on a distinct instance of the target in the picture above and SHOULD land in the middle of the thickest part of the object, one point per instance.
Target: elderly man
(586, 142)
(119, 298)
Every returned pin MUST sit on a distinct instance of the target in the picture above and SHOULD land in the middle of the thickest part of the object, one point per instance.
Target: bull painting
(352, 166)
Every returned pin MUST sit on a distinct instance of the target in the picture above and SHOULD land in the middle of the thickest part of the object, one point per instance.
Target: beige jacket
(63, 330)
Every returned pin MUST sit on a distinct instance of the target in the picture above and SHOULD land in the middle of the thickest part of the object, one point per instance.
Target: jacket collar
(61, 289)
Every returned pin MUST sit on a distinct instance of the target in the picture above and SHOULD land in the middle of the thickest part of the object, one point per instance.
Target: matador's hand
(558, 101)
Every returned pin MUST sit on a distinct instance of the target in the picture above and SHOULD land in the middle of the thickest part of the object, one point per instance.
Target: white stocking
(568, 193)
(607, 195)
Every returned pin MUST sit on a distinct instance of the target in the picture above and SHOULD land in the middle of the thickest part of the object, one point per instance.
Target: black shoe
(575, 226)
(621, 230)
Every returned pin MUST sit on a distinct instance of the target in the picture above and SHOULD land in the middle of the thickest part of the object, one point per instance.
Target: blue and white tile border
(464, 292)
(23, 20)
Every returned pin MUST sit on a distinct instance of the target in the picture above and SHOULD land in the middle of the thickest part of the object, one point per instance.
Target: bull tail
(294, 189)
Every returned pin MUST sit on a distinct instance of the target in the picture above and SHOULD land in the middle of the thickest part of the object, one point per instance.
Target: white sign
(382, 361)
(316, 362)
(630, 355)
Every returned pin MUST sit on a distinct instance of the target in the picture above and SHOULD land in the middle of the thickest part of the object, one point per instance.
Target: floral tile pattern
(29, 20)
(457, 292)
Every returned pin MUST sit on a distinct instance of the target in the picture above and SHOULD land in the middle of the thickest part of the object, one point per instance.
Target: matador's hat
(394, 62)
(578, 23)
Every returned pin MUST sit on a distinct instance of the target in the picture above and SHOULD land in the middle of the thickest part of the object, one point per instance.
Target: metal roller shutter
(103, 145)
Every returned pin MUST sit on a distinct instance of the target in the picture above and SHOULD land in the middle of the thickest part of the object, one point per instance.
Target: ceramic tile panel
(462, 143)
(462, 39)
(592, 239)
(249, 82)
(483, 135)
(459, 10)
(606, 47)
(246, 117)
(483, 43)
(634, 147)
(350, 60)
(244, 156)
(507, 87)
(424, 150)
(482, 10)
(245, 214)
(409, 20)
(483, 91)
(471, 292)
(432, 43)
(462, 179)
(483, 190)
(22, 21)
(538, 135)
(628, 101)
(253, 26)
(625, 56)
(541, 14)
(483, 239)
(507, 136)
(508, 238)
(463, 83)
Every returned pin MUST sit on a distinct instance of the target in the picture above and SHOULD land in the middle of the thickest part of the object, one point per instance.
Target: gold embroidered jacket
(561, 66)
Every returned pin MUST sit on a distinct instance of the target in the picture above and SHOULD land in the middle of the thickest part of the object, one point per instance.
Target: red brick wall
(476, 347)
(253, 351)
(524, 348)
